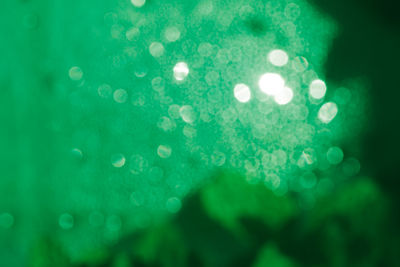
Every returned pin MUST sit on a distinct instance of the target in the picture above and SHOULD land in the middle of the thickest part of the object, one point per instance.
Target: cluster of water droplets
(188, 89)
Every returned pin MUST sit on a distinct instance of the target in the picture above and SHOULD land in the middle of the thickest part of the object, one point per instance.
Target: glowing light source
(271, 83)
(278, 57)
(284, 96)
(181, 71)
(327, 112)
(317, 89)
(242, 93)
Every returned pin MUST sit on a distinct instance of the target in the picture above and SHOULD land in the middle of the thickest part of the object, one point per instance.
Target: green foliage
(231, 198)
(270, 256)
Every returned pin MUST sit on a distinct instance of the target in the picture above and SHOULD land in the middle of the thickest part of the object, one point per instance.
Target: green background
(223, 222)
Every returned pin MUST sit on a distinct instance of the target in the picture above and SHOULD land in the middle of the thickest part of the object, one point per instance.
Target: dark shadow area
(368, 45)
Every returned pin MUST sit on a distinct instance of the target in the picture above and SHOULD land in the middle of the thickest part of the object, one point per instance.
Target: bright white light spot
(242, 93)
(327, 112)
(164, 151)
(118, 160)
(172, 34)
(138, 3)
(317, 89)
(187, 113)
(284, 96)
(271, 83)
(278, 57)
(156, 49)
(75, 73)
(181, 71)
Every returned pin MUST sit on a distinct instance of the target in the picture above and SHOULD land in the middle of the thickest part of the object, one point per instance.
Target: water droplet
(271, 83)
(75, 73)
(120, 96)
(181, 71)
(118, 160)
(164, 151)
(138, 3)
(66, 221)
(187, 113)
(327, 112)
(156, 49)
(242, 93)
(173, 204)
(317, 89)
(278, 57)
(172, 34)
(104, 90)
(138, 164)
(334, 155)
(283, 96)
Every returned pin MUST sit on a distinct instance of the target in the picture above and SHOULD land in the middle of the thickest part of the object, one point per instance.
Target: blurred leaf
(162, 245)
(271, 256)
(231, 198)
